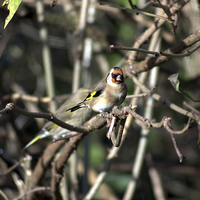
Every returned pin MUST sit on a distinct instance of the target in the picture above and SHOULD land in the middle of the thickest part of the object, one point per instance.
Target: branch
(143, 94)
(48, 116)
(96, 122)
(156, 53)
(3, 195)
(43, 164)
(165, 101)
(13, 167)
(30, 98)
(153, 28)
(38, 189)
(136, 10)
(151, 62)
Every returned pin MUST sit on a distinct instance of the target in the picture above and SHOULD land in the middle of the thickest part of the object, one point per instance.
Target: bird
(109, 93)
(78, 118)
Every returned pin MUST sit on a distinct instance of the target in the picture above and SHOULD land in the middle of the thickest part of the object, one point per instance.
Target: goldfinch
(78, 118)
(109, 93)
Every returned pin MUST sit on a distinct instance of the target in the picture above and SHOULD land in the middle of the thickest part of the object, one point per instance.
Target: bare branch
(43, 164)
(25, 97)
(38, 189)
(149, 63)
(141, 95)
(191, 108)
(48, 116)
(165, 10)
(54, 178)
(179, 154)
(165, 101)
(135, 10)
(168, 15)
(13, 167)
(152, 29)
(167, 124)
(156, 53)
(3, 195)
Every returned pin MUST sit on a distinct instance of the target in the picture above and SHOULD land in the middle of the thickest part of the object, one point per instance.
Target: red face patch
(117, 76)
(117, 72)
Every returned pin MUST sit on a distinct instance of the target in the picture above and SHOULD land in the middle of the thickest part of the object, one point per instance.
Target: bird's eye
(113, 76)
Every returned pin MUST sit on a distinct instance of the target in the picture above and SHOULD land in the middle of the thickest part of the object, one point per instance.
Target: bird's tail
(74, 108)
(40, 136)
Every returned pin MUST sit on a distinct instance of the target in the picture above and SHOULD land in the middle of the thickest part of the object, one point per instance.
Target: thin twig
(168, 126)
(135, 11)
(141, 95)
(149, 32)
(19, 183)
(165, 101)
(13, 167)
(35, 99)
(168, 15)
(38, 189)
(3, 195)
(156, 53)
(165, 10)
(191, 108)
(179, 154)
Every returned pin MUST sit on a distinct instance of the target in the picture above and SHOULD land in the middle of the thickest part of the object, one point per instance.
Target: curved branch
(149, 63)
(48, 116)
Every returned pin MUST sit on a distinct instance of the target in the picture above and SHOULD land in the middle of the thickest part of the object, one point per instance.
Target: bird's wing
(98, 91)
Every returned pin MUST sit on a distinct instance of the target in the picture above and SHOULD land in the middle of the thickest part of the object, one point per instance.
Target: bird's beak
(119, 78)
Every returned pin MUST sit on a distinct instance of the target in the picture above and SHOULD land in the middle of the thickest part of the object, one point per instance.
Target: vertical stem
(79, 49)
(87, 57)
(75, 86)
(140, 154)
(69, 7)
(46, 54)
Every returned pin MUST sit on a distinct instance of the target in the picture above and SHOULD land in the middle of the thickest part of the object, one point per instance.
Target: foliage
(12, 7)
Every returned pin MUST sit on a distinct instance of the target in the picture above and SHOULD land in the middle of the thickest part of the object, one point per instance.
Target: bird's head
(115, 76)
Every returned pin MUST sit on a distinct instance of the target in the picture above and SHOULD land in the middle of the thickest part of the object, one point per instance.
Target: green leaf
(12, 7)
(176, 84)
